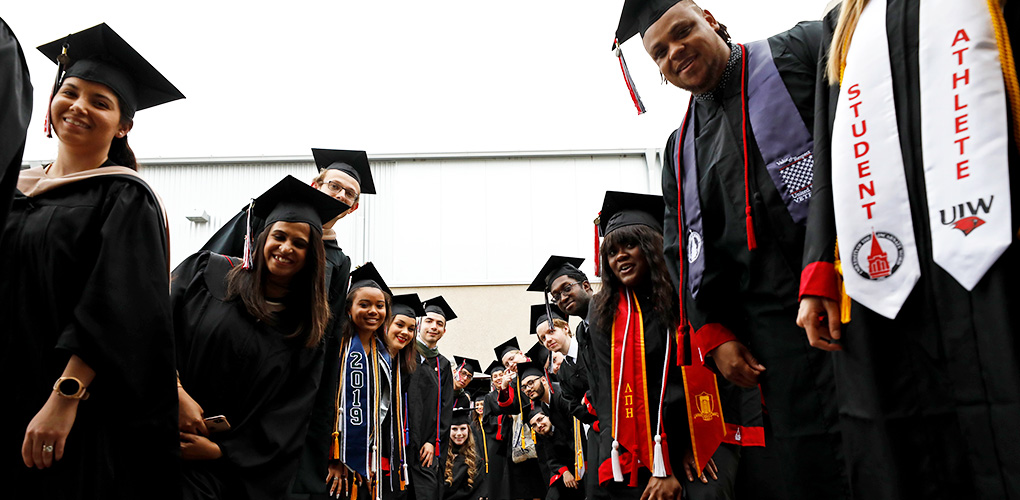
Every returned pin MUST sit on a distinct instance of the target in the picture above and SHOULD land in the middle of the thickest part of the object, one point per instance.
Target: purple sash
(783, 140)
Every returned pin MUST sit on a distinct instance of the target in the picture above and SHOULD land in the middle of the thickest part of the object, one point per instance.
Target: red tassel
(629, 81)
(752, 243)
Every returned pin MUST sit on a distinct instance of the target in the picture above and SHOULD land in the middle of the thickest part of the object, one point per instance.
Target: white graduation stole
(869, 188)
(964, 137)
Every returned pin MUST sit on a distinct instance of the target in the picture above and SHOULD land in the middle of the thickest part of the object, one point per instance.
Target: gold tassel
(844, 299)
(334, 449)
(354, 489)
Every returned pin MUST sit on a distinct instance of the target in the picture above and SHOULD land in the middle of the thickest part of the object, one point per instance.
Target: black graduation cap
(439, 306)
(408, 305)
(639, 15)
(538, 353)
(367, 276)
(627, 209)
(539, 315)
(505, 347)
(479, 387)
(555, 267)
(462, 415)
(538, 409)
(352, 163)
(529, 369)
(472, 365)
(100, 55)
(291, 200)
(495, 366)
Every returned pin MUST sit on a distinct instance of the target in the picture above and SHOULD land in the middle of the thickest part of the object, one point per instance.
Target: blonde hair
(559, 323)
(468, 449)
(849, 14)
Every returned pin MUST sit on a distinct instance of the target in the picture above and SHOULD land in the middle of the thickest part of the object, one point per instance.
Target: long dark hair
(121, 154)
(664, 301)
(307, 289)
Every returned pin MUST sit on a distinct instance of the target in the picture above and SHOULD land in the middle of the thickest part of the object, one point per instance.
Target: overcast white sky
(279, 78)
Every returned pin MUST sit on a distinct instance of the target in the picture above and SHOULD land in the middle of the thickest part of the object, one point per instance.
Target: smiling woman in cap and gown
(929, 364)
(249, 348)
(345, 175)
(85, 267)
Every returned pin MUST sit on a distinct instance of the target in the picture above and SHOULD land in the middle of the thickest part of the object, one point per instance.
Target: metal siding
(448, 221)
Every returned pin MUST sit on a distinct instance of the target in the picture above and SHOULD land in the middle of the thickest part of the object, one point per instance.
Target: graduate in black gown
(558, 435)
(464, 467)
(430, 401)
(496, 428)
(524, 473)
(634, 321)
(928, 394)
(734, 226)
(400, 335)
(15, 113)
(249, 348)
(87, 340)
(568, 288)
(360, 452)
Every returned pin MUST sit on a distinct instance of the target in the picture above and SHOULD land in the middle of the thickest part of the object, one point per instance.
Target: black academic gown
(85, 272)
(430, 407)
(752, 295)
(674, 414)
(929, 402)
(458, 488)
(496, 428)
(15, 113)
(556, 451)
(310, 478)
(526, 479)
(237, 366)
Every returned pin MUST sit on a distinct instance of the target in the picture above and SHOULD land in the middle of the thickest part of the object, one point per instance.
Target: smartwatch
(70, 388)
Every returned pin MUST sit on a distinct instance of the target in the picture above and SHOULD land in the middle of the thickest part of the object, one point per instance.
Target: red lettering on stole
(861, 149)
(960, 120)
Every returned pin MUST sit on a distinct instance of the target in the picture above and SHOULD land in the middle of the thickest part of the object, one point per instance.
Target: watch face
(69, 387)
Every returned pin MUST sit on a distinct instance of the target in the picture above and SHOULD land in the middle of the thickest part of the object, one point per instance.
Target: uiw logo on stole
(964, 216)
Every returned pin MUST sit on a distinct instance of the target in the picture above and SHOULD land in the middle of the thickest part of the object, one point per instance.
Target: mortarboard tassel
(630, 81)
(246, 260)
(62, 60)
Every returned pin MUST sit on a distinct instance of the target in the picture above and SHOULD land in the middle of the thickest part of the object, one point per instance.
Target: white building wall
(440, 220)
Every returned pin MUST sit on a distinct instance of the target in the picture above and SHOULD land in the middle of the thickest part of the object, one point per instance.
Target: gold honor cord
(335, 448)
(485, 446)
(376, 435)
(1008, 65)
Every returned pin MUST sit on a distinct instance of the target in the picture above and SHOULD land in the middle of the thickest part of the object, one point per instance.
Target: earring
(662, 77)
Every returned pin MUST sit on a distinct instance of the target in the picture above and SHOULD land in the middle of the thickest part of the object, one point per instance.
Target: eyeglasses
(335, 187)
(565, 289)
(530, 384)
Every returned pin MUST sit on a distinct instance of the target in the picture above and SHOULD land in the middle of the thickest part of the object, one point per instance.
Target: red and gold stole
(632, 426)
(704, 413)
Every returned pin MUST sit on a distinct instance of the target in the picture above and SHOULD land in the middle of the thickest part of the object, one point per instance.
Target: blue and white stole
(359, 404)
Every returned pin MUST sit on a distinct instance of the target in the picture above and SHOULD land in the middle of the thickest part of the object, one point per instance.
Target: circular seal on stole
(694, 244)
(877, 256)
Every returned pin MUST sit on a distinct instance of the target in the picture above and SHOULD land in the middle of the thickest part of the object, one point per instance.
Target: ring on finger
(47, 448)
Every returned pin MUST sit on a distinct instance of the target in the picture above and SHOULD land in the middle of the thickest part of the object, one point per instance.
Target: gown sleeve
(121, 325)
(15, 113)
(818, 276)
